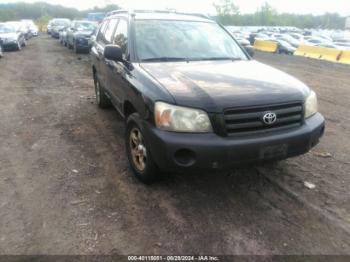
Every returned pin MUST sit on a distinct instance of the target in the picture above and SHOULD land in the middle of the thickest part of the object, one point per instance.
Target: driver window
(121, 37)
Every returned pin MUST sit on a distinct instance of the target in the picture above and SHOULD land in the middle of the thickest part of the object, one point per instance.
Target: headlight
(181, 119)
(8, 40)
(311, 107)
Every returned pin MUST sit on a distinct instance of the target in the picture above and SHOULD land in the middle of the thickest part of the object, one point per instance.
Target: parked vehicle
(289, 39)
(21, 27)
(343, 45)
(49, 27)
(11, 37)
(335, 46)
(314, 40)
(58, 25)
(284, 47)
(79, 34)
(193, 99)
(63, 36)
(33, 29)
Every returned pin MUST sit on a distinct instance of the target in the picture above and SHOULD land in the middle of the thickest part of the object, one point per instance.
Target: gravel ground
(66, 188)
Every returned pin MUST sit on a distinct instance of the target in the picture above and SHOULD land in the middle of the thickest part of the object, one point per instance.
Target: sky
(205, 6)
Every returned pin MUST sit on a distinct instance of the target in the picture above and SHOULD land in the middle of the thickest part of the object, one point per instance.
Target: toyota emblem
(269, 118)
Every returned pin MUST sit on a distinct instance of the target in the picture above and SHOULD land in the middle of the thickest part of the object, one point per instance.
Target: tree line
(266, 15)
(227, 13)
(42, 12)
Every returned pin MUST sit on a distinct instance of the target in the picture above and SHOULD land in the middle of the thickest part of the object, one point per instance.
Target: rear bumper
(55, 34)
(178, 151)
(82, 43)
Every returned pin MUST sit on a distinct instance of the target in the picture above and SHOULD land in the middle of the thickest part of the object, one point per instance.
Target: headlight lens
(10, 39)
(181, 119)
(311, 107)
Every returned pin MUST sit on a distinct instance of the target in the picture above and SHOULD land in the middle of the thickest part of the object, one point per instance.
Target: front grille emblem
(269, 118)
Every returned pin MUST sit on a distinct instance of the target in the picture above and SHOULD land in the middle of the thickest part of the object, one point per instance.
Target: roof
(161, 15)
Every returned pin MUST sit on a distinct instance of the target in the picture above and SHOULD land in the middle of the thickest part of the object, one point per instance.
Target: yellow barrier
(317, 52)
(345, 57)
(330, 54)
(308, 51)
(266, 46)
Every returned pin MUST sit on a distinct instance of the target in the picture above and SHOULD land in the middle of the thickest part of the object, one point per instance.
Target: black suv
(193, 98)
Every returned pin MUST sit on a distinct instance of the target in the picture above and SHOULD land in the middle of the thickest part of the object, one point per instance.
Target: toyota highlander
(193, 98)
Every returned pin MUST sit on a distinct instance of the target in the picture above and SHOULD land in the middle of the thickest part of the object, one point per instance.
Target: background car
(22, 27)
(284, 47)
(63, 36)
(33, 29)
(58, 25)
(11, 37)
(49, 27)
(79, 34)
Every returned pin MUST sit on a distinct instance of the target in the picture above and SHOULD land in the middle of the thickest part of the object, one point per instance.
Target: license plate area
(275, 151)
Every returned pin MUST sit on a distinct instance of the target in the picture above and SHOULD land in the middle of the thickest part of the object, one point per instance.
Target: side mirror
(113, 52)
(250, 50)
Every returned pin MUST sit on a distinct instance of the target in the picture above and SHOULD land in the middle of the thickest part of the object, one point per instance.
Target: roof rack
(120, 11)
(170, 11)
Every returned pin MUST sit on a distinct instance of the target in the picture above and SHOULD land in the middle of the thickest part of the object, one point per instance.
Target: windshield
(7, 29)
(187, 40)
(61, 23)
(85, 26)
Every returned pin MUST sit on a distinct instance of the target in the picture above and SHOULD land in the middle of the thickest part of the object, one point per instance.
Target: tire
(140, 159)
(76, 49)
(19, 46)
(101, 99)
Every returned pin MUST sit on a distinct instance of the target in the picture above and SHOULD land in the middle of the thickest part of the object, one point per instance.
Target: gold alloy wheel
(137, 149)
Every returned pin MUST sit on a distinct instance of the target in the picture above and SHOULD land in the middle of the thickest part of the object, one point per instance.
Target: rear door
(117, 72)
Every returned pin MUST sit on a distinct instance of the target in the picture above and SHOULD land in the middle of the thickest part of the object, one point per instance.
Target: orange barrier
(330, 54)
(308, 51)
(345, 57)
(317, 52)
(265, 46)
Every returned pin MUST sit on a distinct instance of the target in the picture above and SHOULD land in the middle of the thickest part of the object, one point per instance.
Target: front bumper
(9, 45)
(55, 34)
(179, 151)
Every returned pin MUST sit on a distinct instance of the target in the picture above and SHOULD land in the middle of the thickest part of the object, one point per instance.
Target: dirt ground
(66, 188)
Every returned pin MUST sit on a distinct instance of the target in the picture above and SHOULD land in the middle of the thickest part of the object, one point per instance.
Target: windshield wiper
(219, 58)
(164, 59)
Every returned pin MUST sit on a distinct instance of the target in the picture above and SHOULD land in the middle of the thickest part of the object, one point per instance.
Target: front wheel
(140, 158)
(19, 46)
(76, 49)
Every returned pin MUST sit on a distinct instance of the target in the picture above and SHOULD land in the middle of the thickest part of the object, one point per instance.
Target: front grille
(249, 119)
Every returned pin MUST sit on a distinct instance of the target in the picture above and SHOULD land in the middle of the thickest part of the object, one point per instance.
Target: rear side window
(110, 30)
(121, 36)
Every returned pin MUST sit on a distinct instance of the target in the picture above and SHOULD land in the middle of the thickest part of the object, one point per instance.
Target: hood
(83, 33)
(8, 35)
(58, 27)
(217, 85)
